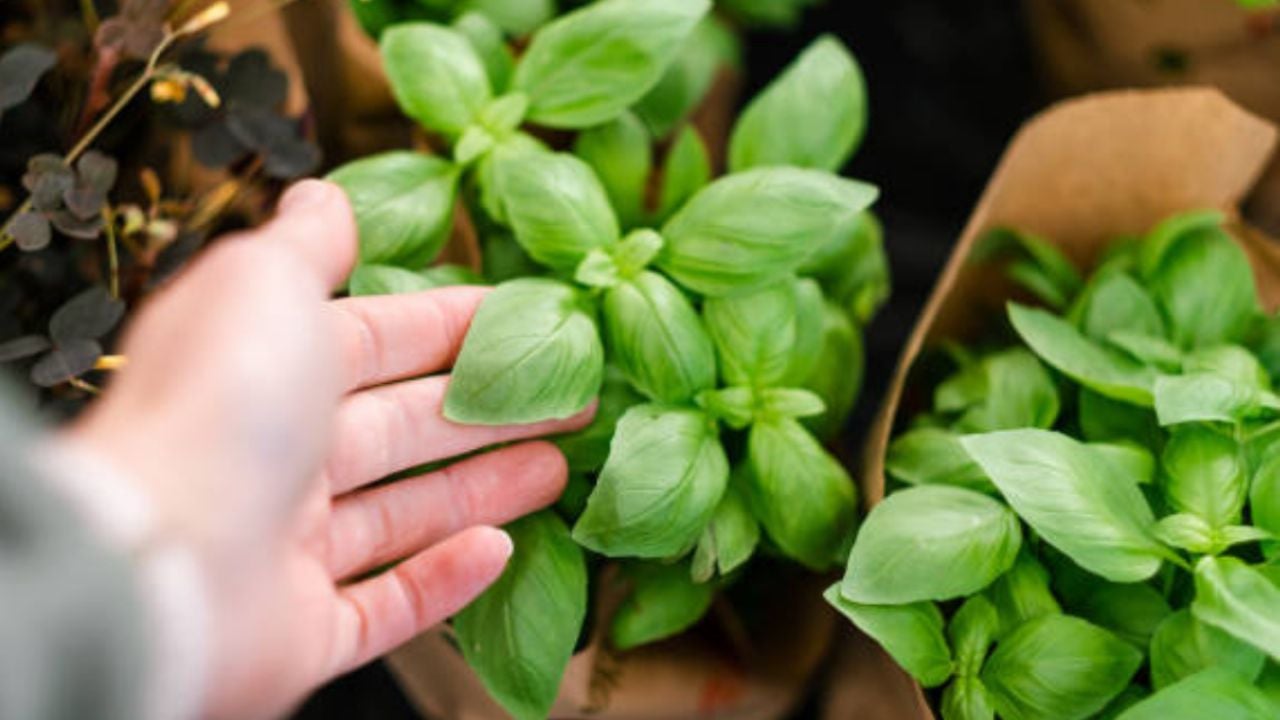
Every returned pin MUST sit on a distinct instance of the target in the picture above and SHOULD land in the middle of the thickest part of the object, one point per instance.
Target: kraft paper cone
(1079, 174)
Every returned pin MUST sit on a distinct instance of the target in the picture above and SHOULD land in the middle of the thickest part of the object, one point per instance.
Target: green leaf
(853, 268)
(789, 403)
(1264, 496)
(934, 456)
(391, 280)
(533, 612)
(1148, 349)
(403, 203)
(931, 542)
(967, 699)
(1133, 462)
(759, 335)
(516, 17)
(711, 46)
(1214, 693)
(1022, 593)
(435, 74)
(1018, 392)
(1239, 599)
(972, 630)
(808, 333)
(1105, 420)
(490, 46)
(1073, 498)
(1152, 250)
(491, 194)
(1129, 697)
(533, 353)
(1115, 302)
(729, 540)
(686, 171)
(812, 115)
(589, 65)
(618, 151)
(663, 602)
(1183, 646)
(1204, 474)
(1035, 263)
(1186, 531)
(657, 339)
(1205, 313)
(1058, 666)
(1132, 611)
(837, 373)
(1204, 397)
(1097, 368)
(665, 474)
(803, 496)
(587, 449)
(911, 634)
(748, 229)
(556, 207)
(1234, 362)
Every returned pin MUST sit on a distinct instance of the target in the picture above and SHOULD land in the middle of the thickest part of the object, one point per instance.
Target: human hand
(255, 413)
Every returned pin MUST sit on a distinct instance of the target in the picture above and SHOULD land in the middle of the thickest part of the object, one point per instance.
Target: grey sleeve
(72, 641)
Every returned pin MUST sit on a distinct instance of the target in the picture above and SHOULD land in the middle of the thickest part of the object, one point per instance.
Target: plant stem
(84, 385)
(113, 254)
(90, 15)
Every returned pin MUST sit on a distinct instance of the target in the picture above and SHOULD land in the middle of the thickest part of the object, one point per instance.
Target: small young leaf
(657, 339)
(663, 601)
(618, 151)
(1205, 475)
(436, 75)
(686, 171)
(1017, 392)
(1036, 264)
(533, 612)
(1022, 593)
(967, 699)
(664, 477)
(403, 203)
(934, 456)
(1186, 531)
(911, 634)
(587, 66)
(1212, 693)
(809, 521)
(556, 206)
(812, 115)
(972, 630)
(729, 540)
(931, 542)
(1239, 599)
(1058, 666)
(789, 403)
(748, 229)
(533, 353)
(1074, 499)
(1183, 646)
(88, 316)
(1205, 313)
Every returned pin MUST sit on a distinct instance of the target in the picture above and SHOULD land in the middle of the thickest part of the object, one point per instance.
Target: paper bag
(1079, 174)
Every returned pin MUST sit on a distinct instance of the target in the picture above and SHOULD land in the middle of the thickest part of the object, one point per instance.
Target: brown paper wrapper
(1080, 174)
(1090, 45)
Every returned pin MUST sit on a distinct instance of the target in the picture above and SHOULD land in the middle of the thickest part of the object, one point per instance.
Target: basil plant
(1087, 522)
(718, 320)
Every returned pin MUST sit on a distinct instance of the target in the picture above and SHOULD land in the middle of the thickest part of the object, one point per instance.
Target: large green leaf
(1183, 646)
(1058, 666)
(931, 542)
(1203, 313)
(403, 203)
(1205, 475)
(1073, 498)
(757, 334)
(1216, 693)
(436, 75)
(812, 115)
(1237, 598)
(532, 353)
(663, 602)
(657, 339)
(534, 612)
(589, 65)
(661, 484)
(911, 634)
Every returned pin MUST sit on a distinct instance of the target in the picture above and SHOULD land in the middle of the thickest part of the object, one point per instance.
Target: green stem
(90, 15)
(113, 253)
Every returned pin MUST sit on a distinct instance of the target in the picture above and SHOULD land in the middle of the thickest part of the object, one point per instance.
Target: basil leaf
(1133, 462)
(587, 66)
(1027, 396)
(931, 542)
(748, 229)
(1204, 313)
(1205, 475)
(391, 280)
(686, 171)
(492, 197)
(1022, 593)
(516, 17)
(1239, 599)
(665, 475)
(533, 612)
(435, 74)
(1097, 368)
(1230, 361)
(972, 630)
(911, 634)
(803, 496)
(1114, 302)
(587, 449)
(663, 602)
(711, 46)
(1073, 498)
(1152, 250)
(760, 335)
(556, 207)
(1131, 696)
(853, 268)
(1105, 420)
(1269, 681)
(1132, 611)
(812, 115)
(1035, 264)
(1213, 693)
(1058, 666)
(490, 45)
(1183, 646)
(1147, 349)
(837, 373)
(657, 339)
(967, 699)
(618, 151)
(403, 204)
(533, 353)
(1264, 497)
(934, 456)
(1204, 397)
(808, 331)
(729, 540)
(1186, 531)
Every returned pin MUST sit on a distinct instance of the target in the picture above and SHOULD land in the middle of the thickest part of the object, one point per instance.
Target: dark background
(949, 82)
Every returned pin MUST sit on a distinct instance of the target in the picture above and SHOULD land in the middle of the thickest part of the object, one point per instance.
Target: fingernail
(303, 195)
(508, 546)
